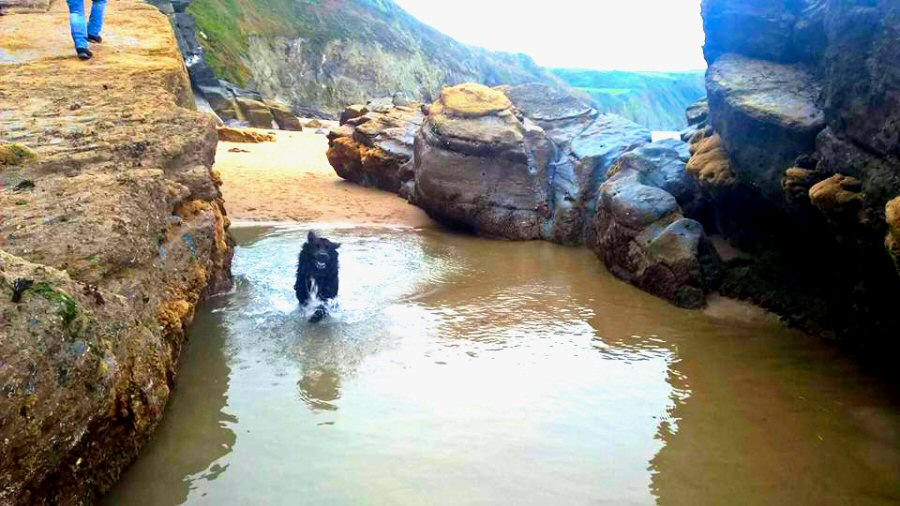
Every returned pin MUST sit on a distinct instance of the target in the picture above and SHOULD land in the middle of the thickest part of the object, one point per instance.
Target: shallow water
(459, 370)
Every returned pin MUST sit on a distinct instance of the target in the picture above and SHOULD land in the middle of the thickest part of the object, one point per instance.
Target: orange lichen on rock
(892, 215)
(229, 134)
(837, 195)
(710, 163)
(470, 100)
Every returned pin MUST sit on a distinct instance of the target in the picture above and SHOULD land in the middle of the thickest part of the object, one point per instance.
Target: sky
(662, 35)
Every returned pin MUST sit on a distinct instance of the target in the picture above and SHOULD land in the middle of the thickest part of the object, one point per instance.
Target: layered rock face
(803, 101)
(110, 234)
(374, 144)
(232, 104)
(530, 162)
(479, 165)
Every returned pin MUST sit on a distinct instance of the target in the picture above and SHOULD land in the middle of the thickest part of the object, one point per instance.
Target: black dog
(317, 273)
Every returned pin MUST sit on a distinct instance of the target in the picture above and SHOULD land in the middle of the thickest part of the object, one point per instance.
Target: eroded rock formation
(803, 101)
(529, 162)
(109, 237)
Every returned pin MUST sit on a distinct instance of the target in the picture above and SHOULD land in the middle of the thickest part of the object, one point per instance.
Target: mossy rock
(15, 154)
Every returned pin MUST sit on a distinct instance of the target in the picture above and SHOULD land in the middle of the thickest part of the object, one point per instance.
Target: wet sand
(291, 180)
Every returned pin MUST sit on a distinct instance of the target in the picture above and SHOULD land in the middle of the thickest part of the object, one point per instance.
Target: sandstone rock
(89, 353)
(14, 154)
(710, 163)
(662, 165)
(229, 134)
(478, 165)
(892, 216)
(838, 197)
(581, 170)
(561, 114)
(644, 239)
(283, 116)
(256, 112)
(353, 111)
(766, 114)
(370, 149)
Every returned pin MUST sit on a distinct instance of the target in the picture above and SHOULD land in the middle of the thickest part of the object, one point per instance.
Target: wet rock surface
(529, 162)
(118, 223)
(804, 106)
(370, 148)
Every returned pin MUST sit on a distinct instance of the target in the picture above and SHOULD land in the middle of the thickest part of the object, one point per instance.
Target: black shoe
(84, 53)
(95, 38)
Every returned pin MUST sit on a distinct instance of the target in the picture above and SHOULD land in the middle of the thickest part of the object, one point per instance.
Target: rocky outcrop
(803, 101)
(480, 165)
(642, 234)
(892, 216)
(231, 103)
(374, 143)
(109, 237)
(529, 162)
(773, 104)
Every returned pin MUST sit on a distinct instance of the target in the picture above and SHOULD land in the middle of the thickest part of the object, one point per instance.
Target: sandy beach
(291, 180)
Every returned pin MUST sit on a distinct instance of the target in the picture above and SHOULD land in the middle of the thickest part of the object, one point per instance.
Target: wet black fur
(326, 280)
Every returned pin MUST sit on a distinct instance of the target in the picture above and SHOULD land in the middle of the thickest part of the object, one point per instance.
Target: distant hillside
(656, 100)
(326, 54)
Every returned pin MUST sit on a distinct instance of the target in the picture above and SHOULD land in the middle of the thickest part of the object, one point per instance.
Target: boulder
(582, 168)
(353, 111)
(230, 134)
(283, 116)
(662, 165)
(766, 115)
(256, 112)
(370, 149)
(479, 165)
(644, 239)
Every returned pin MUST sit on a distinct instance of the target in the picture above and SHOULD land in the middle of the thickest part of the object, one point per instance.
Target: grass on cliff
(226, 26)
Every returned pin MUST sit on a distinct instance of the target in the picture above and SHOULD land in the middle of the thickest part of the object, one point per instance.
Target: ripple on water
(459, 370)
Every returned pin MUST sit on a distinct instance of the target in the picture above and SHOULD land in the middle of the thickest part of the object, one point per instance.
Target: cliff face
(327, 55)
(656, 100)
(804, 100)
(111, 230)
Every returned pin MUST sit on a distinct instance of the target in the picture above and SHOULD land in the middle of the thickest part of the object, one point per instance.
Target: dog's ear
(311, 236)
(336, 245)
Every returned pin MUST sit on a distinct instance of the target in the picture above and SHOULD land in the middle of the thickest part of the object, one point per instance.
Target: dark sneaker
(84, 53)
(95, 38)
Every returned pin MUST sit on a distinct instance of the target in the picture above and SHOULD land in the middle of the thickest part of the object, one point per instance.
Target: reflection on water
(458, 370)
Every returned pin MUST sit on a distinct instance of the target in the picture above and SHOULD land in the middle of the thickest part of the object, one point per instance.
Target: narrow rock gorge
(534, 161)
(112, 229)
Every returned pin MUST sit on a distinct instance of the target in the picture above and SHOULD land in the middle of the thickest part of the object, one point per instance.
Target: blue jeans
(82, 28)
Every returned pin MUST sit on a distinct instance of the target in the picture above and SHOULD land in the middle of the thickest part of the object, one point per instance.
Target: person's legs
(95, 26)
(78, 23)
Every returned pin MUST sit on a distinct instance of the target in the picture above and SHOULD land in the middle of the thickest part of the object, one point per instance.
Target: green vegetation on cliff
(327, 55)
(656, 100)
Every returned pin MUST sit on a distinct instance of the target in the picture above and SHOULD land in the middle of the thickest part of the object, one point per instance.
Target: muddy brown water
(458, 370)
